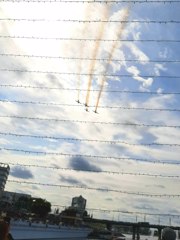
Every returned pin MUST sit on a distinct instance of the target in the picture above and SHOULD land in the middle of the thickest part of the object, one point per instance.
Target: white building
(4, 172)
(79, 203)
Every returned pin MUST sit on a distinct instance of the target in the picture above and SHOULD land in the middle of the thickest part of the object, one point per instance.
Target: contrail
(94, 56)
(114, 46)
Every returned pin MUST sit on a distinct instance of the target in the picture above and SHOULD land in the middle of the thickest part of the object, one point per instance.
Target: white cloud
(138, 53)
(133, 70)
(90, 129)
(159, 67)
(164, 54)
(135, 73)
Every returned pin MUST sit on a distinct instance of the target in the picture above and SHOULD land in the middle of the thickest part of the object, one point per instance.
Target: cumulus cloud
(79, 163)
(146, 82)
(133, 70)
(137, 52)
(71, 180)
(158, 68)
(21, 172)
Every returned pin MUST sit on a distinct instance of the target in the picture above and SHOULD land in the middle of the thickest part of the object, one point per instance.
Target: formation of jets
(86, 106)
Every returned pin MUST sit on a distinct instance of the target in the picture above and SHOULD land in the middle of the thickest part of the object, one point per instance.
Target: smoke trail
(79, 77)
(94, 55)
(84, 30)
(114, 46)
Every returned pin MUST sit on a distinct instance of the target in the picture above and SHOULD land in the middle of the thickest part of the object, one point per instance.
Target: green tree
(85, 214)
(23, 203)
(40, 207)
(71, 212)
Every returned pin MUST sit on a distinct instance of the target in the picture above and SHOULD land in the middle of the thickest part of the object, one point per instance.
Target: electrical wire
(125, 212)
(90, 59)
(93, 90)
(87, 74)
(94, 1)
(78, 105)
(94, 171)
(90, 140)
(173, 162)
(91, 122)
(96, 189)
(90, 20)
(90, 39)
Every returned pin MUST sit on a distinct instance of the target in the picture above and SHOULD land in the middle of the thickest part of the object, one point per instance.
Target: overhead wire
(90, 106)
(91, 59)
(89, 39)
(90, 122)
(94, 171)
(171, 162)
(125, 212)
(95, 189)
(90, 140)
(87, 74)
(90, 20)
(93, 90)
(94, 1)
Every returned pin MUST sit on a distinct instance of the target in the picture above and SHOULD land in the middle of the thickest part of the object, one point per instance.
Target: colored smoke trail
(94, 56)
(84, 30)
(114, 46)
(79, 76)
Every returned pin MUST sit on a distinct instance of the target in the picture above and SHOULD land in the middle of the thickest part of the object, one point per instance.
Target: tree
(109, 226)
(40, 207)
(85, 214)
(70, 212)
(23, 203)
(68, 216)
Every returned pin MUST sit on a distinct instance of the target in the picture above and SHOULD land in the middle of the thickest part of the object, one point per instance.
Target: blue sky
(32, 127)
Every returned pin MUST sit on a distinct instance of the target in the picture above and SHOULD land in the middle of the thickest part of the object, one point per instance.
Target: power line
(125, 212)
(92, 90)
(89, 140)
(91, 122)
(130, 212)
(95, 171)
(172, 162)
(90, 20)
(94, 1)
(96, 189)
(89, 59)
(86, 74)
(89, 106)
(91, 39)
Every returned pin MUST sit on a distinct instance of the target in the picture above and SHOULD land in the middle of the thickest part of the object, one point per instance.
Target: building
(79, 203)
(9, 199)
(12, 197)
(4, 172)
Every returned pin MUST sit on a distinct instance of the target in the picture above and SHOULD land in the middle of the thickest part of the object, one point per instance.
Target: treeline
(25, 206)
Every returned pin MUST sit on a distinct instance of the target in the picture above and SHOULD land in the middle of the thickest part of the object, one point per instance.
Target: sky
(89, 99)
